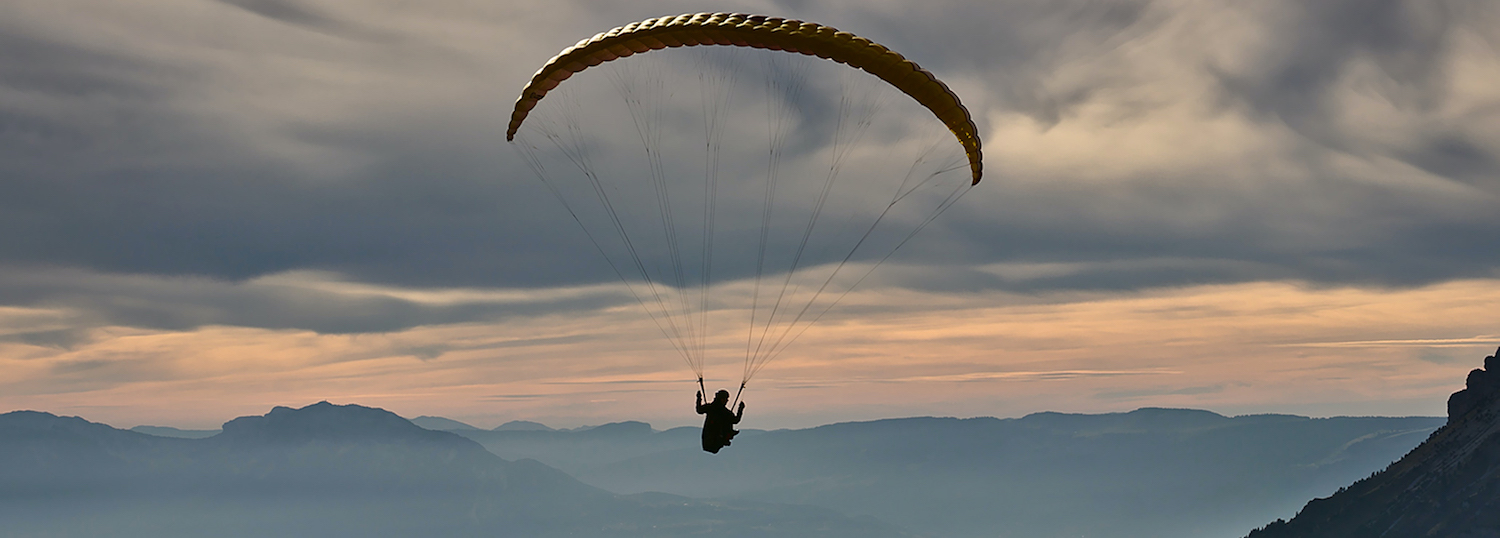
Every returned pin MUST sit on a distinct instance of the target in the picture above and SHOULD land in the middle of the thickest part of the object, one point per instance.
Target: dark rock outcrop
(1448, 486)
(1481, 386)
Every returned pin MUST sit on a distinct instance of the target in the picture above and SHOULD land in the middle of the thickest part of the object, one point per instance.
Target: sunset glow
(214, 208)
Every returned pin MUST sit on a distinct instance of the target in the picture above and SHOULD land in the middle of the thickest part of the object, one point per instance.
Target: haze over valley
(349, 470)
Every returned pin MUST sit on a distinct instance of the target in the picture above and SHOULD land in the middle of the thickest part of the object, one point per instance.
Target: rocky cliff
(1448, 486)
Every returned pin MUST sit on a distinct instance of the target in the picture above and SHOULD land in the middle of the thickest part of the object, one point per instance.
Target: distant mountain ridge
(1150, 472)
(168, 431)
(440, 423)
(348, 470)
(1447, 486)
(522, 425)
(330, 470)
(324, 421)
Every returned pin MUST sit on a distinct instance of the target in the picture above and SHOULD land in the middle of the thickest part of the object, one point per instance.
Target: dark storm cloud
(40, 65)
(296, 14)
(221, 158)
(103, 171)
(394, 230)
(1453, 156)
(186, 303)
(66, 103)
(1011, 46)
(1294, 77)
(1389, 239)
(1371, 234)
(288, 12)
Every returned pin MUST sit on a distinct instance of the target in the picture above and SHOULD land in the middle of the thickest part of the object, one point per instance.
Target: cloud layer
(338, 170)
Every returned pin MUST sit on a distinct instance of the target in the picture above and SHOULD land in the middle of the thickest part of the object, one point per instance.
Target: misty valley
(348, 470)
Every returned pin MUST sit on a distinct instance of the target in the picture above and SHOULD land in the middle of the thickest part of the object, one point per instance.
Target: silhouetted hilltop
(618, 429)
(45, 454)
(1445, 487)
(24, 425)
(522, 425)
(35, 424)
(1146, 419)
(1479, 389)
(326, 448)
(324, 421)
(168, 431)
(440, 423)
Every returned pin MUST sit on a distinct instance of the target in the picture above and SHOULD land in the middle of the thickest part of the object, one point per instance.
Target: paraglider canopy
(657, 216)
(760, 32)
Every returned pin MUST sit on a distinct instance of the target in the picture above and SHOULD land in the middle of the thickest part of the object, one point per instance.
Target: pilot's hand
(700, 396)
(742, 407)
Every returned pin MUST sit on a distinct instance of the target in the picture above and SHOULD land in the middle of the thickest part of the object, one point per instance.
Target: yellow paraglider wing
(757, 31)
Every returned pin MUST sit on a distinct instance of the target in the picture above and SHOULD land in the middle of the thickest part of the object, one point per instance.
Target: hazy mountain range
(332, 471)
(1150, 472)
(329, 470)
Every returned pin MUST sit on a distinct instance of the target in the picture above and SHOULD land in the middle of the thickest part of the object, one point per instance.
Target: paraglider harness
(718, 425)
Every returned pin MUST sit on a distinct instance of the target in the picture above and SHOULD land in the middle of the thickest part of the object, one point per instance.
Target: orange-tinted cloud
(1236, 348)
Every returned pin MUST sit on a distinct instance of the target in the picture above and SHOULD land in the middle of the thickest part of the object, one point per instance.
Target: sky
(216, 207)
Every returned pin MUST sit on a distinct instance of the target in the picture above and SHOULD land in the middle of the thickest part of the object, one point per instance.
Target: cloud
(156, 175)
(288, 12)
(976, 354)
(1468, 342)
(1166, 391)
(1050, 375)
(310, 301)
